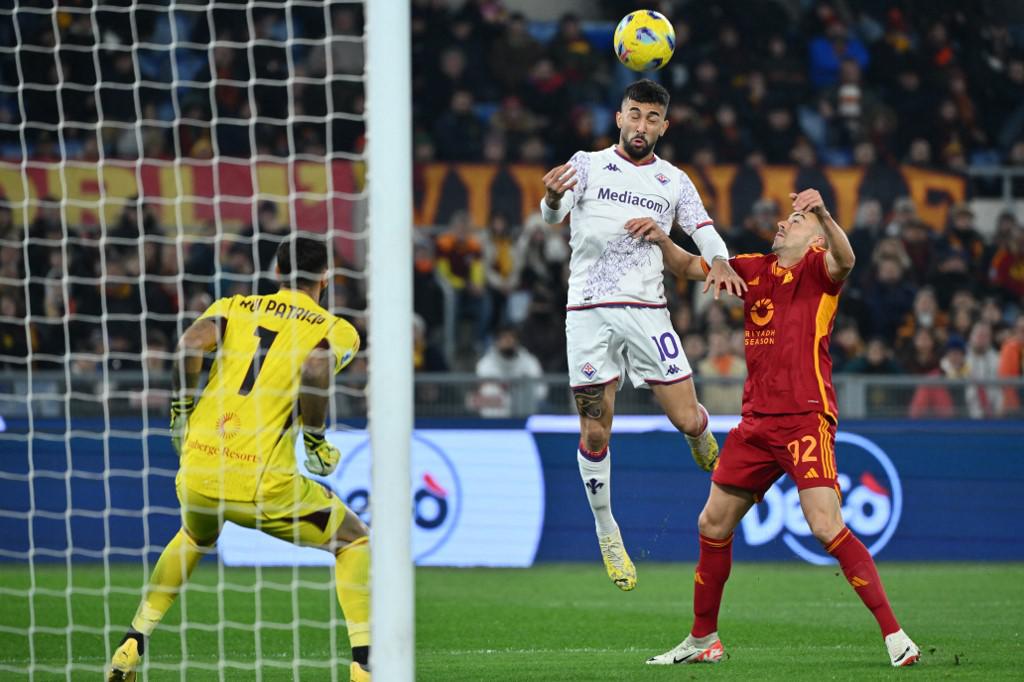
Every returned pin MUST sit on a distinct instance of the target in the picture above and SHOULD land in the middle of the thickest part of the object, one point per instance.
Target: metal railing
(129, 394)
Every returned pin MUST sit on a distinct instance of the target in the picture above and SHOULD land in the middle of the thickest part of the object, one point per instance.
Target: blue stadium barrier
(912, 491)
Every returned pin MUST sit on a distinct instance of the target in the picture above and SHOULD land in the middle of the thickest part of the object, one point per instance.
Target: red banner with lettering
(311, 196)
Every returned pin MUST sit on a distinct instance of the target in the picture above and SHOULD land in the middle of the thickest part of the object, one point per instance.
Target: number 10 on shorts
(667, 346)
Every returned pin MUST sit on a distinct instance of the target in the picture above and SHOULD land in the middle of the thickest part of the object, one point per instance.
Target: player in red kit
(789, 417)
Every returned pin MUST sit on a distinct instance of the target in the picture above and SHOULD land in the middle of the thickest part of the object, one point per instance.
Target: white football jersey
(609, 266)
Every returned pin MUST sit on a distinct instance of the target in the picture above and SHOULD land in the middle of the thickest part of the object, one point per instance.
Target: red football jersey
(787, 319)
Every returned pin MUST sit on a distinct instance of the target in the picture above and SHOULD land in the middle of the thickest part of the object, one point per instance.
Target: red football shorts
(763, 447)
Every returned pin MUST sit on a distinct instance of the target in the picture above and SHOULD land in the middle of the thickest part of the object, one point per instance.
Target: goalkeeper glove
(181, 408)
(321, 457)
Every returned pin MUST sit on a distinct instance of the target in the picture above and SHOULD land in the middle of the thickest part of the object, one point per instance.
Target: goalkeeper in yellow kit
(275, 356)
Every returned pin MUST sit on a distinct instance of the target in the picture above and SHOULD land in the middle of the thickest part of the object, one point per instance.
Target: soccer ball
(644, 40)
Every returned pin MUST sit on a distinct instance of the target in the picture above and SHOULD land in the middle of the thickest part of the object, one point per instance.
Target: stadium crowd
(872, 84)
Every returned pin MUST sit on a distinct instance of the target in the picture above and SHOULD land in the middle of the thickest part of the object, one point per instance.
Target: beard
(634, 152)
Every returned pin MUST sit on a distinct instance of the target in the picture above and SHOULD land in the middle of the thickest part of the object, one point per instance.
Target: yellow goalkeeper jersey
(240, 442)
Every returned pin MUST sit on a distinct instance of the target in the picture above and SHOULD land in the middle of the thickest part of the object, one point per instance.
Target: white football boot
(707, 649)
(902, 650)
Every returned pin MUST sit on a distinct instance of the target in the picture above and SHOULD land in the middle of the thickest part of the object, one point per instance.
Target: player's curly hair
(307, 266)
(646, 91)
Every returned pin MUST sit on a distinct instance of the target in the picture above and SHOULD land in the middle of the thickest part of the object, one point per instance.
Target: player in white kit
(618, 324)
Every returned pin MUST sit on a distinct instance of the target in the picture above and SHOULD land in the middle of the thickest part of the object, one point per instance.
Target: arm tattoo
(590, 401)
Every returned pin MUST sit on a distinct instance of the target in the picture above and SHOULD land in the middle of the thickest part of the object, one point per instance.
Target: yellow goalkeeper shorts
(306, 513)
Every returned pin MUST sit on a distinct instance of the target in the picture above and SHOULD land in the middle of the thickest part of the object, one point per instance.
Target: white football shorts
(607, 343)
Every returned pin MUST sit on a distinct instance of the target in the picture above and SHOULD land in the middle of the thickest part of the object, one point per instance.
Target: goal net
(152, 157)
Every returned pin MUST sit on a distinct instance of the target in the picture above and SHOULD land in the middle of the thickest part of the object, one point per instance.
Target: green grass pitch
(552, 622)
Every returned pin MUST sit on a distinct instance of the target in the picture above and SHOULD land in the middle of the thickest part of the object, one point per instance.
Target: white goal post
(389, 160)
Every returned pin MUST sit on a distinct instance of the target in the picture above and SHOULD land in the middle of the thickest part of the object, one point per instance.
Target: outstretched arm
(684, 264)
(840, 257)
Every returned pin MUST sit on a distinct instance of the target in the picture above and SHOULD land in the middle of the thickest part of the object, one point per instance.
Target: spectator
(731, 141)
(924, 315)
(427, 294)
(785, 72)
(346, 52)
(891, 297)
(867, 229)
(505, 365)
(516, 123)
(853, 104)
(937, 401)
(460, 264)
(828, 51)
(9, 232)
(547, 91)
(962, 237)
(158, 352)
(903, 212)
(426, 357)
(14, 336)
(846, 345)
(1006, 271)
(780, 135)
(921, 356)
(685, 128)
(236, 273)
(991, 312)
(951, 272)
(962, 320)
(544, 255)
(920, 249)
(514, 53)
(984, 401)
(258, 243)
(912, 104)
(501, 267)
(543, 330)
(576, 57)
(758, 229)
(1011, 366)
(877, 359)
(724, 395)
(696, 348)
(459, 133)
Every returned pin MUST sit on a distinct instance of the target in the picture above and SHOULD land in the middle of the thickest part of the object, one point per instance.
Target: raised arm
(682, 263)
(679, 261)
(567, 179)
(840, 258)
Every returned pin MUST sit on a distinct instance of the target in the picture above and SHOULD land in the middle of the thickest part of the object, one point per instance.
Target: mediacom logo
(872, 503)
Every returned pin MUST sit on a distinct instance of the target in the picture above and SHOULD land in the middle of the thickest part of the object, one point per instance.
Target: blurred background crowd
(873, 84)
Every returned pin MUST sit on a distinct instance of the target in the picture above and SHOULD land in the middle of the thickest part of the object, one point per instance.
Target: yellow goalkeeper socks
(171, 572)
(352, 575)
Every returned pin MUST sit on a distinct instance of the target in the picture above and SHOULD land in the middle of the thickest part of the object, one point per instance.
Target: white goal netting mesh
(152, 157)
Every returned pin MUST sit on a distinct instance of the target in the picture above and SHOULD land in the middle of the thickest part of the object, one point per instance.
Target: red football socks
(859, 569)
(708, 582)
